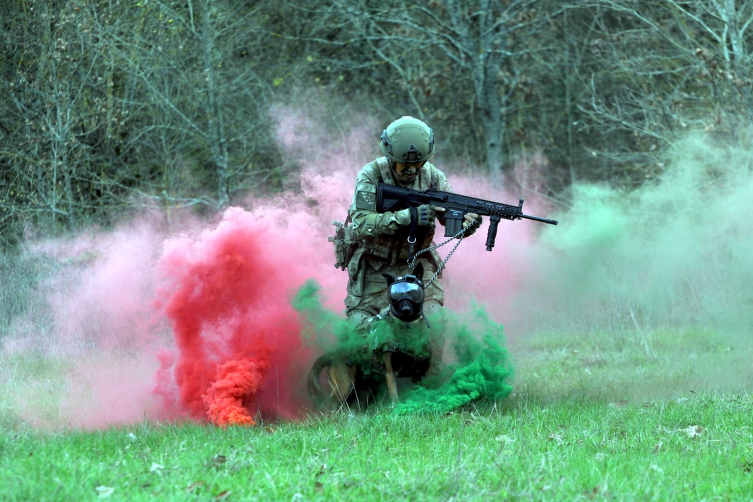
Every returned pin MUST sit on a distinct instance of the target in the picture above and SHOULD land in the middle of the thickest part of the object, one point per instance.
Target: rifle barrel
(543, 220)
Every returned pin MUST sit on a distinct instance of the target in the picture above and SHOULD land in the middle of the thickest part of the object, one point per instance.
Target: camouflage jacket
(383, 237)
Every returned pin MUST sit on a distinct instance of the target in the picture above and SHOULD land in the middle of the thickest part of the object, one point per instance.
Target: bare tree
(194, 62)
(666, 67)
(476, 48)
(53, 103)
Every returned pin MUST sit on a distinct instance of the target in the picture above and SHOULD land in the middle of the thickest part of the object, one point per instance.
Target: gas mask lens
(406, 291)
(406, 296)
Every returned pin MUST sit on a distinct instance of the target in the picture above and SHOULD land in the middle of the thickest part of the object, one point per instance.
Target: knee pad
(358, 318)
(433, 310)
(432, 307)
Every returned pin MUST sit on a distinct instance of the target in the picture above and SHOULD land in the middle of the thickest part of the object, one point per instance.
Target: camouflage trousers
(367, 296)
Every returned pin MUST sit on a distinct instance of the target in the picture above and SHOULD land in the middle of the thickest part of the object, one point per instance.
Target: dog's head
(406, 294)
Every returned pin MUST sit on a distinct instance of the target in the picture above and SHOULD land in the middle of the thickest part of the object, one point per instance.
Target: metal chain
(459, 236)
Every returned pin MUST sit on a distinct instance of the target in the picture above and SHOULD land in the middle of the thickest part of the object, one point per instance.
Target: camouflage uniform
(383, 247)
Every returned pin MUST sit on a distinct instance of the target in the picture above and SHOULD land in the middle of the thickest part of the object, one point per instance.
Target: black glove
(425, 215)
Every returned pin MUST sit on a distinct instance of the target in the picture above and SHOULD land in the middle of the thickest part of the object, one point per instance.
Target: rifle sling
(412, 234)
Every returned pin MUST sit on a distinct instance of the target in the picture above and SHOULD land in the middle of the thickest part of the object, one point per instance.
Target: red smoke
(227, 302)
(236, 382)
(234, 342)
(227, 295)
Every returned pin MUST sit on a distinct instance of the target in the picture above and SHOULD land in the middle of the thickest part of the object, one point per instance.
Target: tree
(664, 68)
(195, 63)
(478, 50)
(52, 109)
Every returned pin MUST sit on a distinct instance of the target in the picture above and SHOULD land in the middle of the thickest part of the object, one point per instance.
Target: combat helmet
(407, 140)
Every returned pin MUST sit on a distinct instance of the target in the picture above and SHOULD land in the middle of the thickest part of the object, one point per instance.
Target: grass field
(620, 416)
(633, 381)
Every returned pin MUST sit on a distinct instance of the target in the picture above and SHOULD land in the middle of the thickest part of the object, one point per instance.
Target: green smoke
(327, 331)
(322, 327)
(674, 253)
(482, 370)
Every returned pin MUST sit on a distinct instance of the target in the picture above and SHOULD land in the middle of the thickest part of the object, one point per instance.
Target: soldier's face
(408, 172)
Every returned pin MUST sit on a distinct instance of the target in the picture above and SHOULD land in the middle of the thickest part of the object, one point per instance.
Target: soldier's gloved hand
(425, 215)
(474, 220)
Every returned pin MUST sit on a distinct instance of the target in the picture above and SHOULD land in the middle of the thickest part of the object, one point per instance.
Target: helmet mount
(412, 155)
(407, 140)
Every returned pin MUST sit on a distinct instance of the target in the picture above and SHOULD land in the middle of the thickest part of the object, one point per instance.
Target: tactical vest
(394, 249)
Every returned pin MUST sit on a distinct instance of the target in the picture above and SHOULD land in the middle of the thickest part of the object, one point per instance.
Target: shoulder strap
(378, 171)
(412, 234)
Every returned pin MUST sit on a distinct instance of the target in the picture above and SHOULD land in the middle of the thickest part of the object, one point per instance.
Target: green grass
(664, 415)
(697, 449)
(632, 366)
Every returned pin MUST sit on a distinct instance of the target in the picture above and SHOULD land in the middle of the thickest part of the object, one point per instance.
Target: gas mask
(406, 295)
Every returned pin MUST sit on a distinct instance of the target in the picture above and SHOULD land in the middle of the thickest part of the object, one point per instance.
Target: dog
(350, 375)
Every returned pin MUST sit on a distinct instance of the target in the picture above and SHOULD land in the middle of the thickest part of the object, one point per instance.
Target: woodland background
(110, 105)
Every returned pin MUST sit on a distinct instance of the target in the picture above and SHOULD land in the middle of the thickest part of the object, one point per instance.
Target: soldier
(382, 238)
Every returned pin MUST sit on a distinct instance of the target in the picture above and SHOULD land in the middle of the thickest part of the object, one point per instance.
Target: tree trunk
(59, 130)
(730, 18)
(494, 124)
(217, 138)
(490, 99)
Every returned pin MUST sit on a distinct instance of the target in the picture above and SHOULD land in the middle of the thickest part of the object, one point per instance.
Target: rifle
(391, 198)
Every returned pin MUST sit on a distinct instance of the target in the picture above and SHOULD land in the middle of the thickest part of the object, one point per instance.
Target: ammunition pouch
(345, 242)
